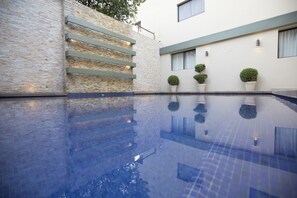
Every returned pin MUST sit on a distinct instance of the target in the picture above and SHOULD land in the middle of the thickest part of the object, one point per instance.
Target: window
(183, 60)
(287, 43)
(190, 8)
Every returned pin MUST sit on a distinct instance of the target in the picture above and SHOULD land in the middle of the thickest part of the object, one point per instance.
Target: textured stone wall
(31, 52)
(147, 61)
(85, 83)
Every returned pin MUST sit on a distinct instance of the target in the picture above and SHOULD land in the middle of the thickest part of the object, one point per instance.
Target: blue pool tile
(84, 148)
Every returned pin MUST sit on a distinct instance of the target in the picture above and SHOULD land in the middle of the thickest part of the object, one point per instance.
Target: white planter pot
(201, 87)
(173, 88)
(250, 86)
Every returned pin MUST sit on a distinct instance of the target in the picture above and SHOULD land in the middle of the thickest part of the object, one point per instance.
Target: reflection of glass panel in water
(177, 124)
(286, 141)
(189, 174)
(189, 127)
(257, 193)
(185, 126)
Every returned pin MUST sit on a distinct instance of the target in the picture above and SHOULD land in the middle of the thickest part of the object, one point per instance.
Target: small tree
(173, 80)
(200, 78)
(249, 75)
(121, 10)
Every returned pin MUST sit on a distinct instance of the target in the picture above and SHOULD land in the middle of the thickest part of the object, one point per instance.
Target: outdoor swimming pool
(149, 146)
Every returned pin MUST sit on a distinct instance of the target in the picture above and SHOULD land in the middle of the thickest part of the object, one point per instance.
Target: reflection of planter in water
(199, 118)
(249, 100)
(248, 111)
(201, 99)
(200, 108)
(173, 99)
(173, 106)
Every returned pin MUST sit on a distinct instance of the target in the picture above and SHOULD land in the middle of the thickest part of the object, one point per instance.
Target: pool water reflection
(149, 146)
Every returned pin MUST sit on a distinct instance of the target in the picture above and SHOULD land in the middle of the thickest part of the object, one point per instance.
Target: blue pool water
(149, 146)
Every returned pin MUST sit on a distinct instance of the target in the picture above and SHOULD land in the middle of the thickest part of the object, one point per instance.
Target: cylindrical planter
(173, 88)
(201, 87)
(250, 86)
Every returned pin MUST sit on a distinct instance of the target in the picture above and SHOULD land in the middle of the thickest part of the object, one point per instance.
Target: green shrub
(200, 78)
(248, 75)
(173, 80)
(199, 68)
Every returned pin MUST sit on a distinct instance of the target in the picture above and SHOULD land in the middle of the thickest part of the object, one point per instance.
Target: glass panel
(190, 59)
(177, 61)
(197, 6)
(190, 8)
(184, 11)
(287, 43)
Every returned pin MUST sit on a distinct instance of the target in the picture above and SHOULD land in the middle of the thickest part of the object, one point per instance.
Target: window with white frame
(287, 43)
(190, 8)
(183, 60)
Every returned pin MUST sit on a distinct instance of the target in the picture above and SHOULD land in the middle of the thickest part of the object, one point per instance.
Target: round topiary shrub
(199, 118)
(200, 78)
(248, 111)
(248, 75)
(173, 80)
(199, 68)
(173, 106)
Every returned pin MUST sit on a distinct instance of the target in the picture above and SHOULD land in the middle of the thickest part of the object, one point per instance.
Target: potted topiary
(173, 82)
(200, 78)
(249, 77)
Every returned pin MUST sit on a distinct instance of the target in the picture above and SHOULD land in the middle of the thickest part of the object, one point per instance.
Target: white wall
(226, 59)
(161, 17)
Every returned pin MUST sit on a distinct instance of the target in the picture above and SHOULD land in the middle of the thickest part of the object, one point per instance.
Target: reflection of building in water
(101, 138)
(236, 161)
(33, 147)
(223, 165)
(56, 147)
(201, 130)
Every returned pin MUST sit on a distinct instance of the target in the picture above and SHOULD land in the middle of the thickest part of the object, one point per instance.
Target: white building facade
(226, 36)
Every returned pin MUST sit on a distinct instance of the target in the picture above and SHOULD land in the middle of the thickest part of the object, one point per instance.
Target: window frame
(184, 56)
(278, 42)
(184, 2)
